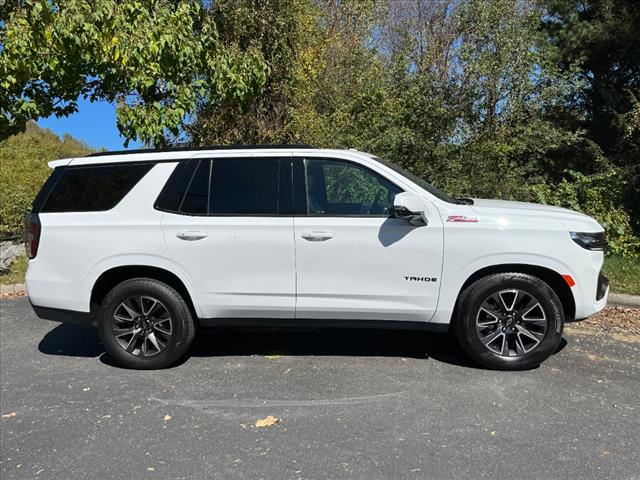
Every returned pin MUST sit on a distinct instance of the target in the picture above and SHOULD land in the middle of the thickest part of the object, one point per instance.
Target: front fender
(453, 281)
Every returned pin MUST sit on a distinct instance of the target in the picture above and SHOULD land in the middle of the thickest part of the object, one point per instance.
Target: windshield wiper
(464, 201)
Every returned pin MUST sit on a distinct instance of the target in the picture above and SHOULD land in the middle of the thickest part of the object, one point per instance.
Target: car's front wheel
(145, 324)
(509, 321)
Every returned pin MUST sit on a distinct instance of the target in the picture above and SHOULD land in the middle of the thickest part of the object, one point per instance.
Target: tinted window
(245, 186)
(93, 188)
(173, 192)
(195, 201)
(418, 181)
(335, 187)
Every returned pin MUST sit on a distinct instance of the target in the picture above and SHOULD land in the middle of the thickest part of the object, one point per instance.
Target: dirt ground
(623, 323)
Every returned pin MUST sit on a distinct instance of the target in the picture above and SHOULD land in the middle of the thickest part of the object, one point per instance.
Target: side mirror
(409, 207)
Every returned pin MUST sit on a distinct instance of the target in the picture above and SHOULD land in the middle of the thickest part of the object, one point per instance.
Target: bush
(598, 196)
(23, 170)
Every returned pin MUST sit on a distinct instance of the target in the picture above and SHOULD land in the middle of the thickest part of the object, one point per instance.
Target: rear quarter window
(92, 188)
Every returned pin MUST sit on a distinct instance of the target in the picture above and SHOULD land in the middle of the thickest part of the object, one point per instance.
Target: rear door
(228, 228)
(353, 260)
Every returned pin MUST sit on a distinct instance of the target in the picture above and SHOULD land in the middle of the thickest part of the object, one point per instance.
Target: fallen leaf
(267, 421)
(9, 415)
(14, 294)
(167, 418)
(493, 434)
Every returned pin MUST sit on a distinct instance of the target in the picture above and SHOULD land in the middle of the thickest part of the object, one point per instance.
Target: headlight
(590, 240)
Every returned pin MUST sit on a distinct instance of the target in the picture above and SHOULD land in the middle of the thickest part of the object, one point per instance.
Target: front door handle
(191, 236)
(317, 236)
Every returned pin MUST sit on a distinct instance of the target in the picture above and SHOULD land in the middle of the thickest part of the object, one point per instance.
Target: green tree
(23, 170)
(598, 39)
(325, 81)
(282, 31)
(149, 57)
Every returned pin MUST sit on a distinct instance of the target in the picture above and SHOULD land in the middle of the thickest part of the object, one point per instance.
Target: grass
(623, 274)
(16, 273)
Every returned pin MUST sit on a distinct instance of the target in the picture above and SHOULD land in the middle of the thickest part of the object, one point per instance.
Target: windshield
(418, 181)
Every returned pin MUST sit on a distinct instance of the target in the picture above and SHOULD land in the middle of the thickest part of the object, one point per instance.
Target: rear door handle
(317, 236)
(191, 236)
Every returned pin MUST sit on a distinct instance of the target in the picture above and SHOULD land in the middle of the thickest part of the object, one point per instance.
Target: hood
(480, 204)
(574, 221)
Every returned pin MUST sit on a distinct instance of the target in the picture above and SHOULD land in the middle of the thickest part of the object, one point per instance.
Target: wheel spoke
(492, 320)
(132, 342)
(528, 315)
(535, 336)
(508, 305)
(158, 321)
(162, 330)
(122, 319)
(130, 310)
(121, 332)
(153, 306)
(154, 341)
(520, 350)
(492, 338)
(504, 348)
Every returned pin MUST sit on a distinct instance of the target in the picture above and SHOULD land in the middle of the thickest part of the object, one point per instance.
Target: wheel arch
(547, 275)
(115, 275)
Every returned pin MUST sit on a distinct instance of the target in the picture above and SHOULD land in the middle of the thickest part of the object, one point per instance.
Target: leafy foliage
(597, 196)
(23, 159)
(623, 274)
(598, 41)
(150, 57)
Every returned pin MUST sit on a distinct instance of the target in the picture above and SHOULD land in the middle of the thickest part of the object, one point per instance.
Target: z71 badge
(462, 218)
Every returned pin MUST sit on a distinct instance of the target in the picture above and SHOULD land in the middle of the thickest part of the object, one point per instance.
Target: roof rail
(186, 149)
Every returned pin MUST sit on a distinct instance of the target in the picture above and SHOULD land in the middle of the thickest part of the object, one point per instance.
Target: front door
(355, 262)
(229, 237)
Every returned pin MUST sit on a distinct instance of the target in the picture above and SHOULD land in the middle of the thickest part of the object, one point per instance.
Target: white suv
(148, 245)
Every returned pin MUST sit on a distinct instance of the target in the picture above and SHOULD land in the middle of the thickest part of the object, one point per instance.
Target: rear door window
(197, 196)
(229, 186)
(245, 187)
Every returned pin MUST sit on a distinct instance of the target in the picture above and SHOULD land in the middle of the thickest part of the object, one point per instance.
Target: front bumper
(603, 287)
(602, 296)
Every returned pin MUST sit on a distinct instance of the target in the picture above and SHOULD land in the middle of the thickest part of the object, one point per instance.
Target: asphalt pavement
(351, 404)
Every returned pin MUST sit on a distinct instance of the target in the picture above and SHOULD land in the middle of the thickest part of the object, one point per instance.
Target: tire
(141, 334)
(503, 339)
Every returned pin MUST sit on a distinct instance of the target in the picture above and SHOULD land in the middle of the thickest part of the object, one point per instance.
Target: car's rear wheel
(145, 324)
(509, 321)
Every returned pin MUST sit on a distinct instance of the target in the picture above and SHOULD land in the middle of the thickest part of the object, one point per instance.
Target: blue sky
(94, 124)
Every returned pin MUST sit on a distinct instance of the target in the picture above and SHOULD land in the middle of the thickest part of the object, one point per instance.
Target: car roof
(176, 154)
(195, 149)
